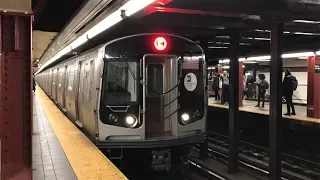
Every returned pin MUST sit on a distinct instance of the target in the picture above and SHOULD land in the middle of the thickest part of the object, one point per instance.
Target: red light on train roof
(160, 43)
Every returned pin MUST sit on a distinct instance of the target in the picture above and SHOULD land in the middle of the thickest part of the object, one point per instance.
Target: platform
(61, 151)
(249, 106)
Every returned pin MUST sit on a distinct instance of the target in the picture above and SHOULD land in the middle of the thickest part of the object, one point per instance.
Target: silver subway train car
(144, 91)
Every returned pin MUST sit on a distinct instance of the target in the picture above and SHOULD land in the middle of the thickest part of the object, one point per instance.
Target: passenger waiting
(34, 85)
(215, 86)
(263, 85)
(225, 87)
(289, 84)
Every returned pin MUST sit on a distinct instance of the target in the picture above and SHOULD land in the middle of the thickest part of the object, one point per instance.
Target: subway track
(256, 157)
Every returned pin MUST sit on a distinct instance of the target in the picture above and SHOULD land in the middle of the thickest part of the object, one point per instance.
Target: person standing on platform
(244, 87)
(225, 88)
(263, 85)
(215, 86)
(289, 85)
(34, 85)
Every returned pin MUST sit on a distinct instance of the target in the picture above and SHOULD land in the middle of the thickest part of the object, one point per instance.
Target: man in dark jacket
(262, 88)
(215, 86)
(225, 88)
(287, 91)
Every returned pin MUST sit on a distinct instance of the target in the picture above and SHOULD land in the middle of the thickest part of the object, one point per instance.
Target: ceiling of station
(215, 20)
(40, 41)
(53, 15)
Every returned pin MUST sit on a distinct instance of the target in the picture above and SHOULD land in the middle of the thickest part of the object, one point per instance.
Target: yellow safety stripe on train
(87, 161)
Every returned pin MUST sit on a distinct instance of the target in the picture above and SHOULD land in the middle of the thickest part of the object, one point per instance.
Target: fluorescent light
(225, 67)
(224, 43)
(228, 60)
(218, 47)
(130, 8)
(223, 37)
(259, 58)
(261, 30)
(82, 39)
(263, 60)
(296, 55)
(306, 21)
(318, 53)
(258, 38)
(304, 33)
(263, 39)
(249, 62)
(109, 21)
(244, 44)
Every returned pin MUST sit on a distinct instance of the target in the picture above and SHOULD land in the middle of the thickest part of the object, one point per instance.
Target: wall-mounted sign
(317, 68)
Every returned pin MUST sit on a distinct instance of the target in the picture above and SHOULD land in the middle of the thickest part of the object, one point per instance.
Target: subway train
(143, 92)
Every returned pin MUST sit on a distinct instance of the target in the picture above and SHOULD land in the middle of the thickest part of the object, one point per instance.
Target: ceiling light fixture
(296, 55)
(306, 21)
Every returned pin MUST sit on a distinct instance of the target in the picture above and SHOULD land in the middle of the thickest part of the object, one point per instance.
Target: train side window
(70, 78)
(60, 74)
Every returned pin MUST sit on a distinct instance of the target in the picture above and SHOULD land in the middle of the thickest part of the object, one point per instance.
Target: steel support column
(16, 97)
(234, 102)
(310, 87)
(275, 118)
(204, 145)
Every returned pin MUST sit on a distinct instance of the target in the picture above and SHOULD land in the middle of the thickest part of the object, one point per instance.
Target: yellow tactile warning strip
(299, 118)
(85, 158)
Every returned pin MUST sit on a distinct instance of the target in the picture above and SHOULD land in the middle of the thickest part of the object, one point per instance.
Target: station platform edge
(86, 160)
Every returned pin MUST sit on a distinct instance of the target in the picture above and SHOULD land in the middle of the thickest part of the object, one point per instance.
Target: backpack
(294, 83)
(265, 85)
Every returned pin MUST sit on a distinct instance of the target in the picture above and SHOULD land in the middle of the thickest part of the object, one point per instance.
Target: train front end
(153, 95)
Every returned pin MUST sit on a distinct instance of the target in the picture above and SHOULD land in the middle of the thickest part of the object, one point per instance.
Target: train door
(87, 103)
(47, 81)
(160, 94)
(54, 85)
(60, 87)
(65, 77)
(50, 83)
(83, 85)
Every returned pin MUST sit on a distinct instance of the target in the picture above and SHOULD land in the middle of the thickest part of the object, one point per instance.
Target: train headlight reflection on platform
(131, 120)
(185, 117)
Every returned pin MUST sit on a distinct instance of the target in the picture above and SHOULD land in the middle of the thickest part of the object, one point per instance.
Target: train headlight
(113, 118)
(185, 118)
(131, 120)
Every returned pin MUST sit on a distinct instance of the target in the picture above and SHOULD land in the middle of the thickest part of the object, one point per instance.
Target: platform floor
(49, 159)
(61, 151)
(248, 106)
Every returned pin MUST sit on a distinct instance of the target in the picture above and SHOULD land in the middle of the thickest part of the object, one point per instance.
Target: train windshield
(120, 83)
